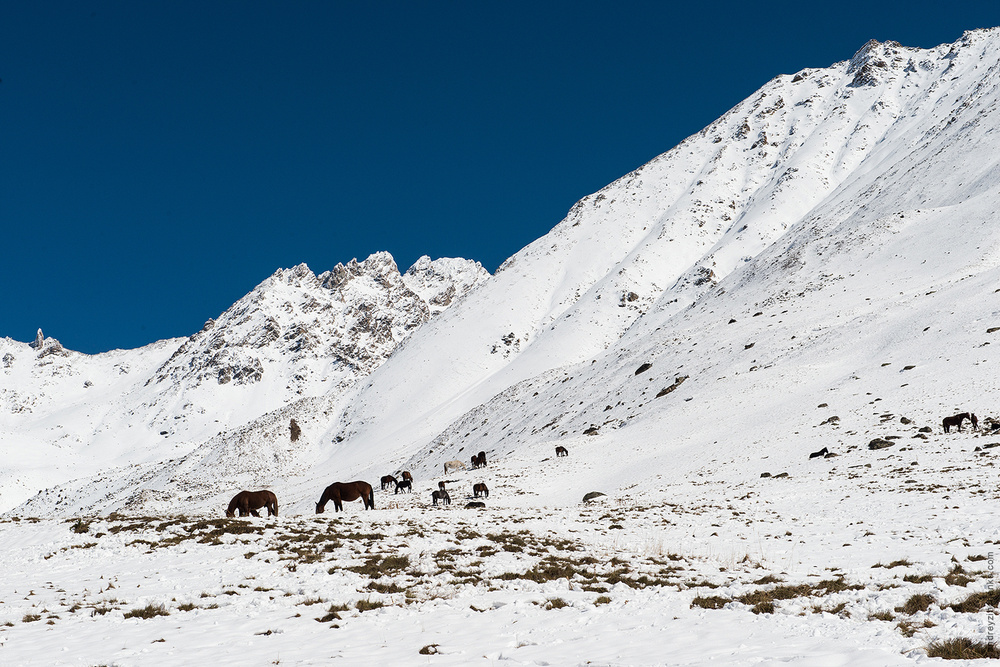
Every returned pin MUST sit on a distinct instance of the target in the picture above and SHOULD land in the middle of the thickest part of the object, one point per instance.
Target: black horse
(442, 496)
(956, 420)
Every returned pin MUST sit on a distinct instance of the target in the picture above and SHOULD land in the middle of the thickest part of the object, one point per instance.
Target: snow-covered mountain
(295, 337)
(828, 241)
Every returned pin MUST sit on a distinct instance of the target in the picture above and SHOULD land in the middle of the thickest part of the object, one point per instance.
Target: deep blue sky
(159, 159)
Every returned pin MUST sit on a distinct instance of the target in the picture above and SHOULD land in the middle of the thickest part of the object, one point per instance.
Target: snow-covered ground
(651, 579)
(819, 268)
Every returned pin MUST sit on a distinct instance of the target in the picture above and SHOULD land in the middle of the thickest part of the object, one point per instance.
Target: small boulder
(592, 496)
(880, 443)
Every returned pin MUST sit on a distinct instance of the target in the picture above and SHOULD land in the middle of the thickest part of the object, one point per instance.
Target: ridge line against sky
(159, 160)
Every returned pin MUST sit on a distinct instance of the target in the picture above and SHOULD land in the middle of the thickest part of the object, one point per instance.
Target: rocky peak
(441, 281)
(873, 61)
(379, 266)
(294, 323)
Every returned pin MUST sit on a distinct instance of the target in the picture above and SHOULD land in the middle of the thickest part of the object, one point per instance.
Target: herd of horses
(248, 502)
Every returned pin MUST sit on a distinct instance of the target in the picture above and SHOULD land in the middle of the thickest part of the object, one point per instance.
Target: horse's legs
(254, 512)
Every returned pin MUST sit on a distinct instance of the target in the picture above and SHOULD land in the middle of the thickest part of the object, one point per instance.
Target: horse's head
(319, 508)
(230, 513)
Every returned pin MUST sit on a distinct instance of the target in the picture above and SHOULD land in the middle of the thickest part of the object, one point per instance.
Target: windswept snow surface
(817, 268)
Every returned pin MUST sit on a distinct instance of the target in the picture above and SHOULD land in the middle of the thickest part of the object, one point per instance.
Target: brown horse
(479, 460)
(442, 496)
(441, 485)
(404, 485)
(561, 451)
(407, 476)
(480, 490)
(248, 502)
(388, 482)
(339, 492)
(956, 420)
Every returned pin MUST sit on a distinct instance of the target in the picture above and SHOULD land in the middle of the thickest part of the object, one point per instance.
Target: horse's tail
(371, 498)
(276, 506)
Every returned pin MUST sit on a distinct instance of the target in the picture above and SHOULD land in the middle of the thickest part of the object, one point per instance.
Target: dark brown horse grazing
(407, 476)
(480, 490)
(479, 460)
(442, 496)
(404, 485)
(441, 485)
(388, 481)
(956, 420)
(339, 492)
(561, 451)
(975, 422)
(248, 502)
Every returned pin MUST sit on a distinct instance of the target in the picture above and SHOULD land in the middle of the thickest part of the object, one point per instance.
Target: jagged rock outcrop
(351, 317)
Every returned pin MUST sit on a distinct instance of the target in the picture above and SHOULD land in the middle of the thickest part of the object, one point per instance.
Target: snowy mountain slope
(804, 249)
(293, 337)
(54, 403)
(795, 187)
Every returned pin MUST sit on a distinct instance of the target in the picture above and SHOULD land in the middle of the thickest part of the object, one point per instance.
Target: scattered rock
(904, 420)
(642, 369)
(592, 495)
(880, 443)
(781, 475)
(765, 474)
(677, 382)
(475, 504)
